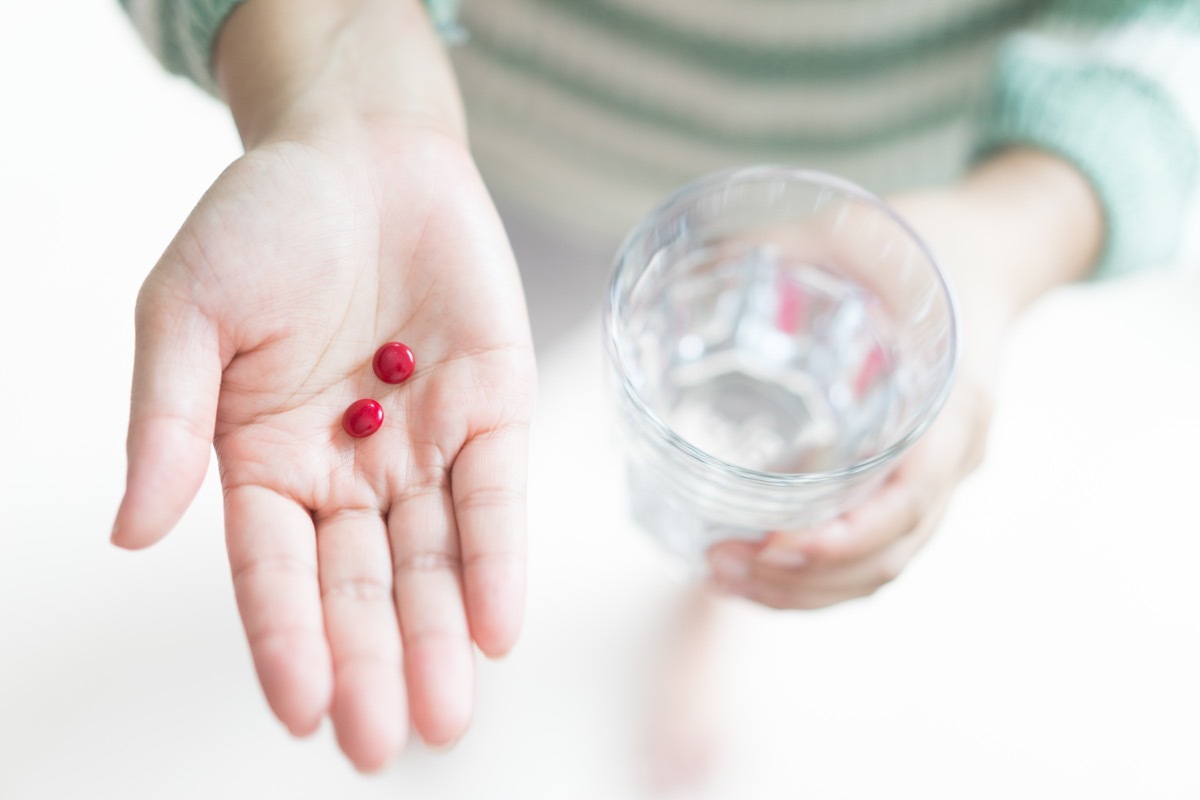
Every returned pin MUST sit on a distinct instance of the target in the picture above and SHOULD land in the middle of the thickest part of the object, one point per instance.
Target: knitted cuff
(444, 15)
(1119, 128)
(182, 33)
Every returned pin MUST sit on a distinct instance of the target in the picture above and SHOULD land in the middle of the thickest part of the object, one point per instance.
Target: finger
(369, 711)
(736, 572)
(815, 589)
(273, 558)
(889, 514)
(437, 643)
(730, 563)
(793, 597)
(176, 380)
(819, 585)
(867, 575)
(489, 482)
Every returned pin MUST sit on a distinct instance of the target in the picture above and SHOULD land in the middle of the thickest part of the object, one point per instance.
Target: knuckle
(277, 564)
(328, 521)
(845, 545)
(281, 636)
(917, 500)
(888, 571)
(492, 558)
(489, 498)
(426, 561)
(157, 311)
(417, 498)
(362, 589)
(196, 426)
(430, 485)
(145, 308)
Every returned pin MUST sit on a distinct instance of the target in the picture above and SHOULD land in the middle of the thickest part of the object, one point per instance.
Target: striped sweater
(589, 111)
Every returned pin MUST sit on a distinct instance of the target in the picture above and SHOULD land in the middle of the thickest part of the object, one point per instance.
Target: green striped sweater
(589, 111)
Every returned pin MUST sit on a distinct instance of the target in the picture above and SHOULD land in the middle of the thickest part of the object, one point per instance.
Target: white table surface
(1046, 644)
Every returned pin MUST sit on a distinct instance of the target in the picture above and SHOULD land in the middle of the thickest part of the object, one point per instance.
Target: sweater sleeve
(1113, 86)
(181, 33)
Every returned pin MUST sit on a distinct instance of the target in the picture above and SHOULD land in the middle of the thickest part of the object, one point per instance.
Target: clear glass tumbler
(778, 337)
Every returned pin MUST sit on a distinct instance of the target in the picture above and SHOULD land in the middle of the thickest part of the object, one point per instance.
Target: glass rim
(762, 477)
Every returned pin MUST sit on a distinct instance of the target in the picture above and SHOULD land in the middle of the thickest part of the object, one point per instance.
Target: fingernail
(728, 569)
(782, 557)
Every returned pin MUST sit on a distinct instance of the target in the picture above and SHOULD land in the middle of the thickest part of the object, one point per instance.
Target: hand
(1022, 224)
(863, 550)
(363, 569)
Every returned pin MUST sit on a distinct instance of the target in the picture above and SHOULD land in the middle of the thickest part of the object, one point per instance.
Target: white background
(1047, 644)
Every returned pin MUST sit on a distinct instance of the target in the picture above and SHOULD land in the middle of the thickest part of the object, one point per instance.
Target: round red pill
(362, 418)
(394, 362)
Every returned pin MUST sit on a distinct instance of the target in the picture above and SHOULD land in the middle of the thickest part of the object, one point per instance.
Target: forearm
(1108, 85)
(286, 66)
(1043, 223)
(1021, 224)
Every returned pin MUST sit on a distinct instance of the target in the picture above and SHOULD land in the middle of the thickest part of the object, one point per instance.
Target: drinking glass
(778, 338)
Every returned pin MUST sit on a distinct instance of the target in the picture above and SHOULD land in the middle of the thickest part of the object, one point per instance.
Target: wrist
(287, 67)
(1047, 223)
(1019, 225)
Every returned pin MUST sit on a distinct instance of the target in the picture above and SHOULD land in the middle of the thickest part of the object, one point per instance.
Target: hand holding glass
(778, 338)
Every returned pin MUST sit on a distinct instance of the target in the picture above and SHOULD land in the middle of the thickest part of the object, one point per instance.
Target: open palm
(363, 568)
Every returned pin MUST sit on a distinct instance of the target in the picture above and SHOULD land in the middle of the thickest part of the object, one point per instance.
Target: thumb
(176, 382)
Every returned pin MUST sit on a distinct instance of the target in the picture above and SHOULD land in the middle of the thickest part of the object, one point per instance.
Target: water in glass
(767, 363)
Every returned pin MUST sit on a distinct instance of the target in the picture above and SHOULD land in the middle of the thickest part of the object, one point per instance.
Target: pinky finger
(488, 481)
